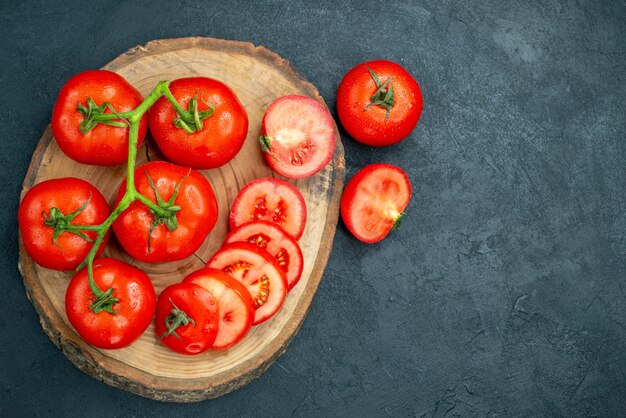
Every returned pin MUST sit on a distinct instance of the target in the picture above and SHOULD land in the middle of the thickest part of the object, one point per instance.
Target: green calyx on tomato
(193, 124)
(167, 216)
(62, 223)
(94, 114)
(175, 319)
(384, 96)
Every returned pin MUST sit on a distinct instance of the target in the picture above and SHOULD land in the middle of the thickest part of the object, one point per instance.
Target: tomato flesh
(235, 305)
(258, 271)
(301, 136)
(374, 200)
(272, 200)
(277, 242)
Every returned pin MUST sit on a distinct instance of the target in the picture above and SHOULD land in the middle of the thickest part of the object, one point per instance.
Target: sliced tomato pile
(298, 136)
(374, 200)
(272, 200)
(275, 241)
(235, 305)
(258, 271)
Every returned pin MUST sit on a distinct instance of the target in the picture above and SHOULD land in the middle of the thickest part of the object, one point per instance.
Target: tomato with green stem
(190, 213)
(215, 134)
(58, 220)
(379, 103)
(374, 201)
(131, 312)
(90, 118)
(187, 318)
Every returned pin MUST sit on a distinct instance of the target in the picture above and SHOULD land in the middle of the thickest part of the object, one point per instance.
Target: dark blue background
(503, 294)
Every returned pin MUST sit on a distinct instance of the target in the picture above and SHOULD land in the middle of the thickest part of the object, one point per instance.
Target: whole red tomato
(133, 311)
(186, 194)
(379, 103)
(187, 318)
(47, 215)
(223, 129)
(90, 91)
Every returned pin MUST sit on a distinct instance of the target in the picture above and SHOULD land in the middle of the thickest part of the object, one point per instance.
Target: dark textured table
(504, 292)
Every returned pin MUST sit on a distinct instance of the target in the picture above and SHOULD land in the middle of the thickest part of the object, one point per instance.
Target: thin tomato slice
(258, 271)
(374, 201)
(235, 305)
(277, 242)
(272, 200)
(298, 134)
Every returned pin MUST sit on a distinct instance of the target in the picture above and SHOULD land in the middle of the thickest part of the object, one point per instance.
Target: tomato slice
(187, 318)
(273, 200)
(374, 200)
(235, 305)
(258, 271)
(275, 241)
(298, 135)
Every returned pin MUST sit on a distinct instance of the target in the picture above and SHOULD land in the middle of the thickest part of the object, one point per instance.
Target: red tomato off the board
(298, 136)
(374, 201)
(385, 123)
(103, 145)
(222, 134)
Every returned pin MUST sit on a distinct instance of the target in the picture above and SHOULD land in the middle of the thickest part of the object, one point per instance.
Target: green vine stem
(105, 300)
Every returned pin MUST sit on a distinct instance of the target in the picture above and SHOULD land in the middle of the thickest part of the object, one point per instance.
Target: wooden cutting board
(258, 76)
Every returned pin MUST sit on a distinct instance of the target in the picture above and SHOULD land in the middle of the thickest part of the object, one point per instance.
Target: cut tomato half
(258, 271)
(277, 242)
(235, 305)
(272, 200)
(374, 201)
(298, 136)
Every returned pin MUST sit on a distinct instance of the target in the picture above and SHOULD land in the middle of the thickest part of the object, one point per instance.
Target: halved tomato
(275, 241)
(298, 136)
(374, 200)
(258, 271)
(235, 305)
(273, 200)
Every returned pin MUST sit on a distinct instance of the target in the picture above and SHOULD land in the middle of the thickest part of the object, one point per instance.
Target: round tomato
(374, 200)
(258, 271)
(223, 123)
(298, 136)
(187, 318)
(90, 92)
(133, 311)
(277, 242)
(379, 103)
(191, 213)
(272, 200)
(235, 305)
(46, 217)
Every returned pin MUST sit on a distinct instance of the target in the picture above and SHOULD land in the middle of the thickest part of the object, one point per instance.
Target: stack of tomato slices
(246, 281)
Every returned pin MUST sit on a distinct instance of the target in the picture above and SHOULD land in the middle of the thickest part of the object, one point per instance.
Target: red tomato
(103, 145)
(258, 271)
(381, 108)
(235, 305)
(273, 200)
(37, 217)
(277, 242)
(187, 318)
(374, 200)
(298, 136)
(134, 310)
(193, 222)
(221, 135)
